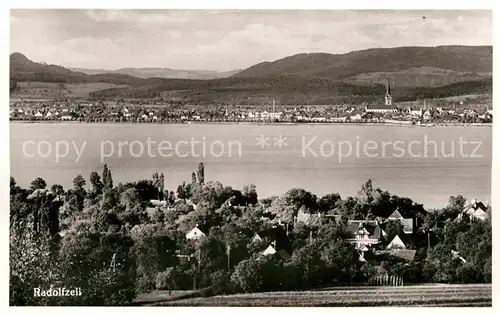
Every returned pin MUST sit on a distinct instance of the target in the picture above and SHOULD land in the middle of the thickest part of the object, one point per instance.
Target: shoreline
(402, 124)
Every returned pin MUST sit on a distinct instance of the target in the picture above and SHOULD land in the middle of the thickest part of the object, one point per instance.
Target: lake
(427, 164)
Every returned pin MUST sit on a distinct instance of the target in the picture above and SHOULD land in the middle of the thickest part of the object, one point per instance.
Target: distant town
(160, 111)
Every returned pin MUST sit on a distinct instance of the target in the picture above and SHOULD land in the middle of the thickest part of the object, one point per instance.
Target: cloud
(228, 39)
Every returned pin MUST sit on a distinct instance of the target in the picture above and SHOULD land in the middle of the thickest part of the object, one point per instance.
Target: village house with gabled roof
(401, 241)
(275, 237)
(475, 210)
(366, 233)
(407, 223)
(271, 250)
(195, 234)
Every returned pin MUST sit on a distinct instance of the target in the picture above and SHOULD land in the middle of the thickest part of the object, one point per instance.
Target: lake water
(319, 158)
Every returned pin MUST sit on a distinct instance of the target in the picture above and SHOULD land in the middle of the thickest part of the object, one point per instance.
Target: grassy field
(57, 90)
(424, 295)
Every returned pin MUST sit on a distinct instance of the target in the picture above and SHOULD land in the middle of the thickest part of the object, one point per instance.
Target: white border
(218, 4)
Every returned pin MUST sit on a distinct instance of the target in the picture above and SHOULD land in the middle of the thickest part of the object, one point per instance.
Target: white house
(38, 114)
(195, 234)
(270, 250)
(416, 113)
(396, 243)
(48, 115)
(475, 210)
(356, 117)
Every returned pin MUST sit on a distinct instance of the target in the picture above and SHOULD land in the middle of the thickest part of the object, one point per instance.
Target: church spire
(388, 97)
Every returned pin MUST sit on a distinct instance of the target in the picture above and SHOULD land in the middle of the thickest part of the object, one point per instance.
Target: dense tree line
(108, 239)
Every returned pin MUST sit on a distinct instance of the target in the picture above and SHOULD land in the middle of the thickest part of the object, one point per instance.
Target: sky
(228, 39)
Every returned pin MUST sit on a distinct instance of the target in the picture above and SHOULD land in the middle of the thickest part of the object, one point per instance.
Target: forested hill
(452, 60)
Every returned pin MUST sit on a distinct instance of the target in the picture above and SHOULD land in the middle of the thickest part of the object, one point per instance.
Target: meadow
(422, 295)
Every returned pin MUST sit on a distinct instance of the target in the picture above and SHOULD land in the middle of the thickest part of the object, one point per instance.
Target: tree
(456, 203)
(247, 276)
(156, 180)
(57, 189)
(286, 207)
(184, 191)
(78, 182)
(250, 194)
(365, 195)
(193, 179)
(107, 178)
(201, 173)
(97, 185)
(161, 187)
(130, 199)
(38, 183)
(393, 228)
(329, 202)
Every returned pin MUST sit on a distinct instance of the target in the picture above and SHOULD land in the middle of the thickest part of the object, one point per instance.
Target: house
(427, 115)
(356, 117)
(144, 117)
(456, 255)
(158, 203)
(271, 250)
(274, 236)
(416, 113)
(407, 223)
(48, 115)
(338, 119)
(475, 210)
(195, 234)
(381, 108)
(401, 241)
(66, 118)
(396, 243)
(366, 233)
(38, 114)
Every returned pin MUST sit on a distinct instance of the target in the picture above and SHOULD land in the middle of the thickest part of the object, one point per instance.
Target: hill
(162, 72)
(450, 64)
(23, 69)
(301, 79)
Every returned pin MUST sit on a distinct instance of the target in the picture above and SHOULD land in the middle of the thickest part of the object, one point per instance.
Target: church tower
(388, 97)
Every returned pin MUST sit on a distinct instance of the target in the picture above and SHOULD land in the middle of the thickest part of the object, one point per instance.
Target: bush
(221, 282)
(168, 279)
